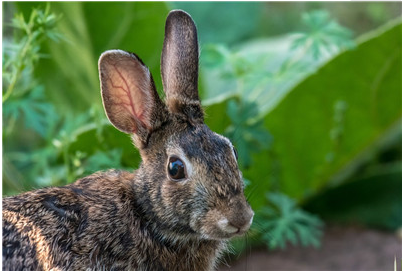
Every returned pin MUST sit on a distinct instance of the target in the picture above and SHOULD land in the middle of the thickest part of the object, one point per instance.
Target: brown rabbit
(176, 212)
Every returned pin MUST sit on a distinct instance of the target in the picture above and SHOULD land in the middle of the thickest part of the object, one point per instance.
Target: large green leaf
(330, 119)
(261, 71)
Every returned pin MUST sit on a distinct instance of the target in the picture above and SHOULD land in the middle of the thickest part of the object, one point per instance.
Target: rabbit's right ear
(180, 65)
(128, 93)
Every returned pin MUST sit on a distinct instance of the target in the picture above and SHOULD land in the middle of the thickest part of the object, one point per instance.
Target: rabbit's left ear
(180, 65)
(129, 96)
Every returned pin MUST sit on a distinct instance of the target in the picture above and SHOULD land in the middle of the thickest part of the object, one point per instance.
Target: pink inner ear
(129, 86)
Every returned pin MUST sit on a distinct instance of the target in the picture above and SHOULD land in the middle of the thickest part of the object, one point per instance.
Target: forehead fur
(211, 154)
(199, 142)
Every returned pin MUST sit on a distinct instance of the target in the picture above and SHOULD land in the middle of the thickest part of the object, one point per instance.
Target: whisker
(251, 192)
(246, 249)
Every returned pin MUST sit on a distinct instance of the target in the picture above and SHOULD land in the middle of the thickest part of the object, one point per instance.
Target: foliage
(323, 34)
(33, 108)
(103, 159)
(20, 57)
(246, 131)
(26, 97)
(281, 221)
(23, 97)
(266, 70)
(258, 85)
(334, 119)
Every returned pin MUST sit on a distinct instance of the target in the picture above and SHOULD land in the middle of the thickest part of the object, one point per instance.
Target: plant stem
(20, 65)
(12, 84)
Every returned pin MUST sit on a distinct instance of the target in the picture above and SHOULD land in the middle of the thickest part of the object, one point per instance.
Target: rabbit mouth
(224, 235)
(225, 229)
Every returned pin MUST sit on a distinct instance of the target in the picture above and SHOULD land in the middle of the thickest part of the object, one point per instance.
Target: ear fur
(128, 93)
(180, 65)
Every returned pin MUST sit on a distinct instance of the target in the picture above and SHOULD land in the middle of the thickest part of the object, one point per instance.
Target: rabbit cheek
(206, 224)
(174, 203)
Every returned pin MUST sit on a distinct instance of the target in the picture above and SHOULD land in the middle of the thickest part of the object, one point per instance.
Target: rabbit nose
(237, 223)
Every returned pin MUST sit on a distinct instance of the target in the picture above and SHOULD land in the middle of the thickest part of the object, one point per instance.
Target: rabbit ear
(128, 93)
(180, 65)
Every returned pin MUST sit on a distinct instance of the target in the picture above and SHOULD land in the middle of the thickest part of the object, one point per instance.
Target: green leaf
(102, 160)
(37, 113)
(246, 132)
(323, 34)
(281, 221)
(214, 56)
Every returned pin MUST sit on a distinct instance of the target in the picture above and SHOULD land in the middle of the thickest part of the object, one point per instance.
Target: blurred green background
(309, 92)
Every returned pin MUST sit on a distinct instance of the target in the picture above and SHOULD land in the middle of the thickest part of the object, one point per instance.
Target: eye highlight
(176, 168)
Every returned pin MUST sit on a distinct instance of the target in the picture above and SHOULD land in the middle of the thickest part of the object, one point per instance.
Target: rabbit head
(188, 184)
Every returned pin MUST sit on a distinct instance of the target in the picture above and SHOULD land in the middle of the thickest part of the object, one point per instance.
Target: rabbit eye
(235, 152)
(176, 168)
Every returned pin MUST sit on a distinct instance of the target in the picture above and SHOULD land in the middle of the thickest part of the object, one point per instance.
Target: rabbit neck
(191, 254)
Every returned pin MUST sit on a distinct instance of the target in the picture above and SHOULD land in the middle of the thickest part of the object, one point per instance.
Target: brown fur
(145, 220)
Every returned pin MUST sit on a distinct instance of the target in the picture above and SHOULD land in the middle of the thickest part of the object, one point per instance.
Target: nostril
(242, 222)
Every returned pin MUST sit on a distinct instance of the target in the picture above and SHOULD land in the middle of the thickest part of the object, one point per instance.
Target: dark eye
(176, 168)
(235, 152)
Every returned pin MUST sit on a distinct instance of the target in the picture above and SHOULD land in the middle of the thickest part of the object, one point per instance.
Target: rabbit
(177, 211)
